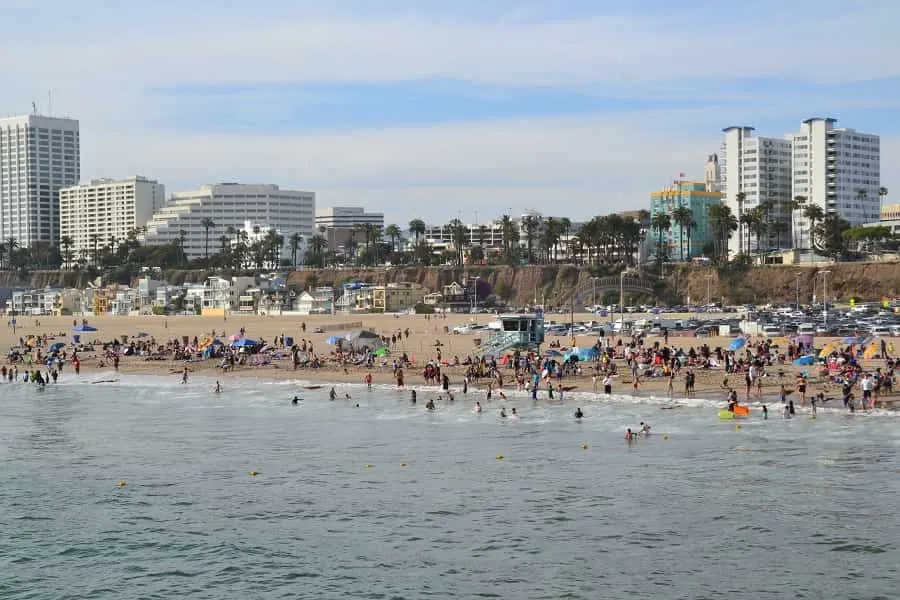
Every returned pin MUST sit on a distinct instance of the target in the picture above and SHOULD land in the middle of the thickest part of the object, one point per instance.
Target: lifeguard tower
(522, 332)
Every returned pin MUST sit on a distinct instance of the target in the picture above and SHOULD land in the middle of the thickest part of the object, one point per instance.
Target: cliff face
(865, 281)
(555, 285)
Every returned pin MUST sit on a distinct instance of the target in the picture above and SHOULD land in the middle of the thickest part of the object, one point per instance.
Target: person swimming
(478, 407)
(295, 401)
(514, 413)
(578, 413)
(430, 404)
(332, 394)
(645, 428)
(503, 413)
(628, 435)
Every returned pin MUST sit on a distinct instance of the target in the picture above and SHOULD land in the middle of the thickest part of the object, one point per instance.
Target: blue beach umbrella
(737, 344)
(805, 361)
(244, 342)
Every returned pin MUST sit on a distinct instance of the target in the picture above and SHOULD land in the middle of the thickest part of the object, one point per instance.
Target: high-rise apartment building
(756, 170)
(38, 156)
(229, 205)
(838, 170)
(713, 174)
(94, 214)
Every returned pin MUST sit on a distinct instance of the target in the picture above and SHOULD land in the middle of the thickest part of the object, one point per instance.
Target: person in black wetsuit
(295, 401)
(578, 413)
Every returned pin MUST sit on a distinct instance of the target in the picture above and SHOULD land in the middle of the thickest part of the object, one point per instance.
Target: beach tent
(805, 360)
(84, 328)
(334, 340)
(244, 342)
(364, 339)
(737, 344)
(583, 353)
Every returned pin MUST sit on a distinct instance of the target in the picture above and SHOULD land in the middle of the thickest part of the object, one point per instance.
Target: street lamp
(824, 275)
(475, 292)
(622, 300)
(797, 275)
(708, 289)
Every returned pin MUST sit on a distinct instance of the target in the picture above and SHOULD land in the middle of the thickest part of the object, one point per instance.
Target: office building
(230, 205)
(713, 174)
(754, 171)
(689, 240)
(106, 210)
(346, 217)
(838, 170)
(38, 156)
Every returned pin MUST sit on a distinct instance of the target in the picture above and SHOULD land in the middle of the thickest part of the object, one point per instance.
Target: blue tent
(84, 328)
(805, 360)
(241, 343)
(334, 340)
(583, 353)
(737, 344)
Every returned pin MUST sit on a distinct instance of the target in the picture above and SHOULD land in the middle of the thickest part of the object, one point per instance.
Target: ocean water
(391, 501)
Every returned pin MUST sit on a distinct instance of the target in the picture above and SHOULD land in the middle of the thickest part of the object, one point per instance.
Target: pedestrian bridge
(597, 286)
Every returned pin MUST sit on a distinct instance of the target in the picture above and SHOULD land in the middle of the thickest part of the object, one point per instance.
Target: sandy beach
(426, 336)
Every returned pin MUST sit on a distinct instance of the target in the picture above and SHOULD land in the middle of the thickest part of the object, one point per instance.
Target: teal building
(693, 195)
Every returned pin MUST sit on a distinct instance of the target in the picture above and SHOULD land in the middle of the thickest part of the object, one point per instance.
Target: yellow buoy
(737, 426)
(369, 466)
(665, 437)
(254, 473)
(121, 484)
(584, 446)
(404, 465)
(499, 457)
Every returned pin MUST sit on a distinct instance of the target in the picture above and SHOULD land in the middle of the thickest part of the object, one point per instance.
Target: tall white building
(713, 174)
(760, 168)
(106, 209)
(230, 205)
(838, 170)
(347, 217)
(38, 156)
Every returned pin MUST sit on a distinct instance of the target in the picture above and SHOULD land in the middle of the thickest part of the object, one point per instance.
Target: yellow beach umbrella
(871, 351)
(828, 349)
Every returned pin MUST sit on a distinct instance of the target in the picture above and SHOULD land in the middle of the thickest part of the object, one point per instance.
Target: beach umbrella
(828, 349)
(737, 344)
(57, 347)
(805, 360)
(204, 343)
(871, 351)
(335, 339)
(241, 343)
(381, 351)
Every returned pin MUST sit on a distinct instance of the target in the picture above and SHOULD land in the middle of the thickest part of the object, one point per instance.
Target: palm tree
(741, 198)
(207, 223)
(530, 226)
(796, 205)
(182, 234)
(510, 234)
(682, 216)
(722, 222)
(815, 214)
(95, 252)
(660, 222)
(294, 241)
(417, 228)
(394, 234)
(65, 245)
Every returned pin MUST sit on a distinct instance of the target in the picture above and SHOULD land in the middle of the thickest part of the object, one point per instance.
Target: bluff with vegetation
(556, 285)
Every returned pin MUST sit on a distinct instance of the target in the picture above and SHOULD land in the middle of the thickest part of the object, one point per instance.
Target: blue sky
(433, 109)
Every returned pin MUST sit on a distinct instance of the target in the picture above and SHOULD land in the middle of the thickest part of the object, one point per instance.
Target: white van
(880, 330)
(806, 329)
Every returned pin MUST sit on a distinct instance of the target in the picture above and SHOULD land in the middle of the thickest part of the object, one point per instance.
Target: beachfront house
(456, 297)
(318, 301)
(221, 294)
(396, 297)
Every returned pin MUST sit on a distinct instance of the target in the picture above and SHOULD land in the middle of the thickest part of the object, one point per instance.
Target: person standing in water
(765, 412)
(218, 388)
(607, 385)
(478, 407)
(332, 394)
(184, 375)
(412, 396)
(578, 413)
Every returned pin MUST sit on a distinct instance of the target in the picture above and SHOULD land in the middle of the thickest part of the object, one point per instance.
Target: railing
(501, 341)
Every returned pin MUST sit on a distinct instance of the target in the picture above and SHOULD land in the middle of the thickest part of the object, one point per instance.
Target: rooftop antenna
(34, 108)
(49, 103)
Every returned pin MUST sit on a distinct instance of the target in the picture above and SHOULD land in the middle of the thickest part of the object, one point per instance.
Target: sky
(435, 110)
